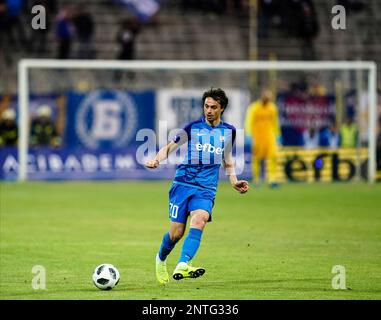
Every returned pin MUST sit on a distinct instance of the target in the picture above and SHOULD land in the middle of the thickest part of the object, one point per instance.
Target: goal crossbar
(196, 65)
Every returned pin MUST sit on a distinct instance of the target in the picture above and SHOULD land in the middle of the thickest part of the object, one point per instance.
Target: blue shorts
(184, 199)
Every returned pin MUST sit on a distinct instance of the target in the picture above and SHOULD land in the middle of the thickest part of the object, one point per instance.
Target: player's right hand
(152, 164)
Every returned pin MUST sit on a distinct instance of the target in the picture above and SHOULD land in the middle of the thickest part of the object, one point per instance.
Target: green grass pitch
(267, 244)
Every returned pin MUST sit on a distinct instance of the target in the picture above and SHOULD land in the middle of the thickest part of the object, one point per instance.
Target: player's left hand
(152, 164)
(242, 186)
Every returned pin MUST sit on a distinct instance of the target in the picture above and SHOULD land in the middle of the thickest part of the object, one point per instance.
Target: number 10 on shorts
(173, 210)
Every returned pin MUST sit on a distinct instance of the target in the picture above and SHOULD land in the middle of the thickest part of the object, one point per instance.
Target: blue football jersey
(206, 148)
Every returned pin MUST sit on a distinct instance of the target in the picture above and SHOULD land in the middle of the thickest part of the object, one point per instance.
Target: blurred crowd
(72, 26)
(16, 33)
(69, 23)
(74, 23)
(44, 128)
(298, 19)
(332, 136)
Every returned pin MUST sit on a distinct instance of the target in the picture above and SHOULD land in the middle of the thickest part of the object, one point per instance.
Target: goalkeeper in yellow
(262, 126)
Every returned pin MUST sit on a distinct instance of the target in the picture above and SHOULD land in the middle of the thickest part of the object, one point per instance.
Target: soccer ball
(106, 276)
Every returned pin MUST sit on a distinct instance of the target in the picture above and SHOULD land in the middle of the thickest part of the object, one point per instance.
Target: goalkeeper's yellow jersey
(262, 121)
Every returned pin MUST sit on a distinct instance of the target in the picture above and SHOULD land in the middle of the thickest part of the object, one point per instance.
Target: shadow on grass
(42, 294)
(253, 284)
(257, 286)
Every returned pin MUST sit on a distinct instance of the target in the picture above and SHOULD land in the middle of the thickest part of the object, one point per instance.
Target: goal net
(107, 117)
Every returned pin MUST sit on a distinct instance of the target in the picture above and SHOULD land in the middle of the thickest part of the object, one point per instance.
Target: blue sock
(166, 247)
(191, 245)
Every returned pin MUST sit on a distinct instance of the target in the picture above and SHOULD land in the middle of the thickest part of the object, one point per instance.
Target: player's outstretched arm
(242, 186)
(161, 155)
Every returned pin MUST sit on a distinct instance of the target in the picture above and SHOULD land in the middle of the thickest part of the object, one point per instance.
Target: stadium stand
(176, 34)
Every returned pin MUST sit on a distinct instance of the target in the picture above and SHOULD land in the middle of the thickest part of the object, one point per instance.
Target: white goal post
(27, 64)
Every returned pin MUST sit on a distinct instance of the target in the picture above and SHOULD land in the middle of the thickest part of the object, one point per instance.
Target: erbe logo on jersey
(106, 119)
(207, 147)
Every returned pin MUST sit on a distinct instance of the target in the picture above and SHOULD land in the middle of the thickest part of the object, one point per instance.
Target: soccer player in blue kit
(209, 144)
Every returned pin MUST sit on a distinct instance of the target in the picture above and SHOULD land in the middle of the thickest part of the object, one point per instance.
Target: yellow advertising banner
(295, 164)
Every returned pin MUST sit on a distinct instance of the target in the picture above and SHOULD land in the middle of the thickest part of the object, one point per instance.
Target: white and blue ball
(106, 276)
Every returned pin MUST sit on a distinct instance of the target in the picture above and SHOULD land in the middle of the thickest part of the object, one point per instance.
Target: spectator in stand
(309, 29)
(316, 85)
(8, 129)
(349, 133)
(13, 26)
(43, 129)
(126, 38)
(329, 136)
(303, 23)
(64, 32)
(311, 138)
(84, 28)
(268, 10)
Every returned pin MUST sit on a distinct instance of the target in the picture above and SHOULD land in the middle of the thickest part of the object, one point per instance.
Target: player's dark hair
(217, 94)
